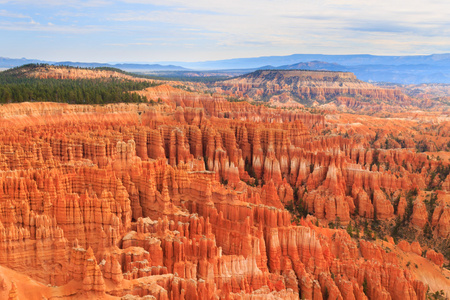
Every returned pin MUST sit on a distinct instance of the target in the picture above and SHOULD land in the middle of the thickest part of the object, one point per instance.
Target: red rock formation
(404, 246)
(381, 205)
(308, 85)
(190, 204)
(419, 216)
(441, 219)
(437, 258)
(415, 247)
(13, 292)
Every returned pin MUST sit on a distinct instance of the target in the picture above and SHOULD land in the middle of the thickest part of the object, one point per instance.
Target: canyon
(205, 192)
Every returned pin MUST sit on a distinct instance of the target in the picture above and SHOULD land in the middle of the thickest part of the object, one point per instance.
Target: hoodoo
(199, 197)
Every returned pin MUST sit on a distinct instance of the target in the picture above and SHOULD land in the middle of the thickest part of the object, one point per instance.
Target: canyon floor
(274, 185)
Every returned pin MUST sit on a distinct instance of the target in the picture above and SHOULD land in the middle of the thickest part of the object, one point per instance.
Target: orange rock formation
(283, 87)
(185, 200)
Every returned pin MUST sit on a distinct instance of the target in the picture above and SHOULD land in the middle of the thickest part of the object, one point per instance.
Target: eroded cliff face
(312, 88)
(186, 200)
(62, 72)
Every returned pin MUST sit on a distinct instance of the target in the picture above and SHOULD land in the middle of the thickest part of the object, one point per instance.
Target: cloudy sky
(197, 30)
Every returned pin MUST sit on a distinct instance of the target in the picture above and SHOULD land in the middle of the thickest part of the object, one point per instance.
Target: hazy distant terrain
(346, 60)
(403, 74)
(414, 69)
(131, 67)
(397, 69)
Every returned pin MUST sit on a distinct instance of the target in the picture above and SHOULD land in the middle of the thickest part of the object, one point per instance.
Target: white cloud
(8, 14)
(210, 29)
(58, 3)
(37, 27)
(304, 24)
(129, 44)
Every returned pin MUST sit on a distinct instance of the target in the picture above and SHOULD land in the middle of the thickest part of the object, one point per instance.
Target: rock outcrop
(311, 87)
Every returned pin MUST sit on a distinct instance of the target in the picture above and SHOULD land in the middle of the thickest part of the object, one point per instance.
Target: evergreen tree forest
(16, 87)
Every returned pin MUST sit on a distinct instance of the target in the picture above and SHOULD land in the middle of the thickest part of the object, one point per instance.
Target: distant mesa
(313, 65)
(309, 88)
(302, 74)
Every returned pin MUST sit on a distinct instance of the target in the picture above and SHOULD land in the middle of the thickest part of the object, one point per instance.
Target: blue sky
(197, 30)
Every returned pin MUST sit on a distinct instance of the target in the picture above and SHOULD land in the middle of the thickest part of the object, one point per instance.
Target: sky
(200, 30)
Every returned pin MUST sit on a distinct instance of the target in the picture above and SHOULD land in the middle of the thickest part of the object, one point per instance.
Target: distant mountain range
(403, 74)
(16, 62)
(11, 63)
(312, 65)
(413, 69)
(346, 60)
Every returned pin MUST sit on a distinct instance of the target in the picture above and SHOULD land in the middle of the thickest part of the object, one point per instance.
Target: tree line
(15, 88)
